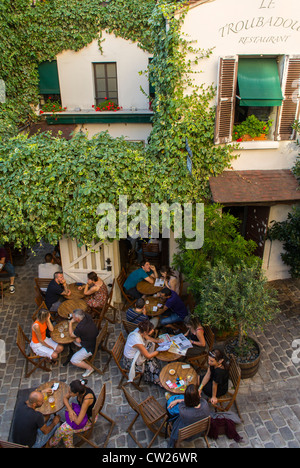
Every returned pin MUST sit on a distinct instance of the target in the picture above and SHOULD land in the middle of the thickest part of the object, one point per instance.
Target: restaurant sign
(282, 27)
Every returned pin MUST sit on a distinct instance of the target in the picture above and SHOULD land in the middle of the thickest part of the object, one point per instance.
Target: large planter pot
(249, 365)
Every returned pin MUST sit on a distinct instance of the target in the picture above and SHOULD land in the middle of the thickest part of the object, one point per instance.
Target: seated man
(138, 313)
(5, 265)
(145, 272)
(47, 270)
(174, 309)
(86, 334)
(30, 428)
(56, 291)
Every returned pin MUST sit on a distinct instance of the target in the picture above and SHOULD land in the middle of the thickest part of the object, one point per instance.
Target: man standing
(56, 291)
(29, 427)
(5, 265)
(145, 272)
(85, 335)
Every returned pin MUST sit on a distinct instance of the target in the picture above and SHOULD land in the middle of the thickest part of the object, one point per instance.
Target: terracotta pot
(263, 136)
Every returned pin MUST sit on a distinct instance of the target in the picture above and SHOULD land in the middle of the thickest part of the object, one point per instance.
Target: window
(274, 96)
(49, 81)
(106, 85)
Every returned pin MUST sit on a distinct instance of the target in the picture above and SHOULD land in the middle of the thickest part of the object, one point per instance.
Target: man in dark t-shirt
(85, 335)
(29, 427)
(57, 289)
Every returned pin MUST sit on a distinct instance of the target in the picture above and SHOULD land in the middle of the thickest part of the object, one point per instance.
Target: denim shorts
(10, 269)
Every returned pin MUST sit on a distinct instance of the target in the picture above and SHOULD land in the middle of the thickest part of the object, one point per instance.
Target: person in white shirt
(47, 270)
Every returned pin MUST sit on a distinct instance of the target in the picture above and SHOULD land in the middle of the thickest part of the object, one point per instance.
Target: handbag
(76, 408)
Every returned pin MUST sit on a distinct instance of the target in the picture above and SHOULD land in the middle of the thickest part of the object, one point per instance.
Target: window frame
(106, 77)
(227, 91)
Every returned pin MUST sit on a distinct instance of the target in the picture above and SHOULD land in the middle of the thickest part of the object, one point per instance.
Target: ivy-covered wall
(51, 186)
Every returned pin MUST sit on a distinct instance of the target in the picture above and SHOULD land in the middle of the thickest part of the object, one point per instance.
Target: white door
(77, 262)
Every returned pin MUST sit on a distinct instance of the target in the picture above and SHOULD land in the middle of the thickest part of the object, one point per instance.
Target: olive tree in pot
(238, 299)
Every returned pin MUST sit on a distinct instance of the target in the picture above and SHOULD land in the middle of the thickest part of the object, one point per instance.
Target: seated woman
(192, 409)
(171, 278)
(195, 334)
(215, 382)
(40, 343)
(138, 357)
(95, 291)
(78, 416)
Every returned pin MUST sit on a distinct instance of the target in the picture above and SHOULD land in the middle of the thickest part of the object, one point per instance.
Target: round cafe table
(75, 292)
(151, 302)
(60, 333)
(58, 396)
(68, 306)
(144, 287)
(185, 371)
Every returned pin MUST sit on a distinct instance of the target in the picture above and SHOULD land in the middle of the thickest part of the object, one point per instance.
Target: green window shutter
(48, 74)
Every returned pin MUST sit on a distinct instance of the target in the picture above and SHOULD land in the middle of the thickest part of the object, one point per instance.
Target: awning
(259, 84)
(48, 74)
(251, 187)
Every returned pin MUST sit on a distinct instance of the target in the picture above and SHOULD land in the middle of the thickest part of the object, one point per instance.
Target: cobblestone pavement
(269, 402)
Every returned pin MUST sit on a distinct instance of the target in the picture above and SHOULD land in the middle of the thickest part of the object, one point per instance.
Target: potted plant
(52, 106)
(238, 299)
(251, 129)
(106, 105)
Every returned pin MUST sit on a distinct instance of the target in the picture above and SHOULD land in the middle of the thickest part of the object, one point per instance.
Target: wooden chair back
(41, 306)
(121, 280)
(42, 284)
(117, 354)
(101, 342)
(200, 427)
(38, 362)
(129, 326)
(6, 444)
(39, 298)
(131, 401)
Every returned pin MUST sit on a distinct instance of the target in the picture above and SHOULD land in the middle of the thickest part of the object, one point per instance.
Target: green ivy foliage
(51, 186)
(30, 36)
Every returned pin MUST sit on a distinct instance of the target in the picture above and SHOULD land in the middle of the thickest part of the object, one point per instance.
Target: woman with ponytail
(78, 415)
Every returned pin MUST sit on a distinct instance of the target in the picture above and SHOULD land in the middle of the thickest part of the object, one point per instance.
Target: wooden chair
(42, 284)
(101, 342)
(101, 314)
(121, 280)
(6, 444)
(97, 410)
(152, 413)
(117, 354)
(129, 326)
(38, 362)
(151, 254)
(200, 362)
(39, 298)
(110, 307)
(200, 427)
(41, 306)
(225, 402)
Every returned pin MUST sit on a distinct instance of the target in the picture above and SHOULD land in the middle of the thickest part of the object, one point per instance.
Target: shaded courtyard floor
(269, 402)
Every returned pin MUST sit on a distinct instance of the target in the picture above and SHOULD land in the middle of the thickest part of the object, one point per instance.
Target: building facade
(255, 66)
